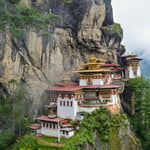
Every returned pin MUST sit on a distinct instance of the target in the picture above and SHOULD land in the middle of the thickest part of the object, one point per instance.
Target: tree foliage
(6, 139)
(17, 18)
(28, 142)
(15, 108)
(140, 88)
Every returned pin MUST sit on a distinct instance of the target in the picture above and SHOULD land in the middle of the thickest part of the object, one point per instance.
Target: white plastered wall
(67, 111)
(97, 82)
(82, 82)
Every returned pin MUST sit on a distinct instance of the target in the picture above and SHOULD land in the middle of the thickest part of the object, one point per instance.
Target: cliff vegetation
(98, 131)
(18, 18)
(113, 29)
(15, 113)
(140, 122)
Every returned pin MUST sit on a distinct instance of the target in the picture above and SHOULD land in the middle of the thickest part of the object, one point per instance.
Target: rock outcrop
(82, 28)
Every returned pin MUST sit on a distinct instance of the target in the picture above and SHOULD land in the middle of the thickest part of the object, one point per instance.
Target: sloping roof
(46, 118)
(120, 68)
(110, 65)
(109, 86)
(129, 55)
(74, 88)
(35, 126)
(67, 129)
(69, 88)
(51, 106)
(134, 59)
(67, 84)
(94, 71)
(66, 125)
(90, 86)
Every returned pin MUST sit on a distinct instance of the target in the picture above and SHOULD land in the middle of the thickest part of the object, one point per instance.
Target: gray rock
(41, 61)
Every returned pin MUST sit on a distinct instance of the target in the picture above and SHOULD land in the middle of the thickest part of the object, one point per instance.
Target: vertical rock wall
(40, 61)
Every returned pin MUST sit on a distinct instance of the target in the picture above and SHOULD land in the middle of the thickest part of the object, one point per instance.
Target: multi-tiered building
(95, 89)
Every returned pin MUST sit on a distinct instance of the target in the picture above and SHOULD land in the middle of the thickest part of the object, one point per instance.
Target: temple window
(43, 124)
(89, 82)
(60, 103)
(135, 72)
(63, 103)
(63, 132)
(67, 103)
(71, 104)
(53, 126)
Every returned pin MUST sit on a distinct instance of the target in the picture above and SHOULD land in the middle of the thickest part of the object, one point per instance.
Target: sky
(134, 17)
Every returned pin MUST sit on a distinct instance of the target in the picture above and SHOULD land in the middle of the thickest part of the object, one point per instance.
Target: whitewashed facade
(67, 107)
(133, 74)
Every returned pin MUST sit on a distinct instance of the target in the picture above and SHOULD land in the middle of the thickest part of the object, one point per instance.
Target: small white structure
(132, 65)
(35, 128)
(66, 132)
(51, 127)
(133, 70)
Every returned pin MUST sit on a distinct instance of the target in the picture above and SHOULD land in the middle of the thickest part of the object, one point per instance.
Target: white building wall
(70, 134)
(38, 131)
(82, 82)
(49, 132)
(109, 79)
(139, 71)
(114, 99)
(101, 98)
(112, 75)
(97, 82)
(131, 74)
(67, 111)
(54, 132)
(88, 109)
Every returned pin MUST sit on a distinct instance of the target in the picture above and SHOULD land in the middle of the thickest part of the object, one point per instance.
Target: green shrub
(6, 139)
(113, 29)
(27, 142)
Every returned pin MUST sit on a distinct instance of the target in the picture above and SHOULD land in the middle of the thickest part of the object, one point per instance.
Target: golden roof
(98, 70)
(133, 55)
(92, 59)
(94, 66)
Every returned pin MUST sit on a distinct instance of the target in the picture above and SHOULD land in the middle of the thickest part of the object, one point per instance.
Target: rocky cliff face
(83, 27)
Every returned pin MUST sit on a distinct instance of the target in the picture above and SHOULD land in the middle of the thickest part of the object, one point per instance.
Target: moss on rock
(113, 29)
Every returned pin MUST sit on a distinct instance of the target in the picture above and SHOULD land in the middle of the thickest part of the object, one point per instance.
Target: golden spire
(92, 59)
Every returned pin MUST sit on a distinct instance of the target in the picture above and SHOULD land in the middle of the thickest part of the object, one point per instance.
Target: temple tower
(132, 65)
(92, 73)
